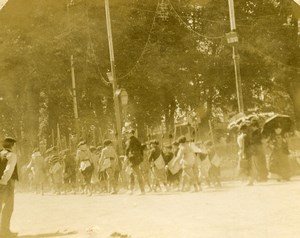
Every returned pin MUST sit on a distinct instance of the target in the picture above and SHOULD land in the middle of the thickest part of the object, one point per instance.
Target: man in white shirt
(8, 176)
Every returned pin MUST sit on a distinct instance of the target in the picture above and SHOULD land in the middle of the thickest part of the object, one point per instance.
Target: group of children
(182, 166)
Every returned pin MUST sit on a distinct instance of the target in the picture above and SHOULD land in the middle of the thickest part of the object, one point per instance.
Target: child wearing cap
(188, 161)
(108, 162)
(157, 166)
(84, 160)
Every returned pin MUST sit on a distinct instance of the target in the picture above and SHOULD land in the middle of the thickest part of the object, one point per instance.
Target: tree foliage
(172, 60)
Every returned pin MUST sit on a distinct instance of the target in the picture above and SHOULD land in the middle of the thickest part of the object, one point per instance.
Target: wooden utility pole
(75, 106)
(236, 57)
(113, 78)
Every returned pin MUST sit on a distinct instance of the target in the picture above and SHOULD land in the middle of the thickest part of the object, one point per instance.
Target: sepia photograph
(149, 118)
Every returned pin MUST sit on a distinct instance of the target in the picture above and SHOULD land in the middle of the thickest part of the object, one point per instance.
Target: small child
(215, 162)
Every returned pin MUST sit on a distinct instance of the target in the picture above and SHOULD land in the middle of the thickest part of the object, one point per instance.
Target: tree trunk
(169, 114)
(295, 95)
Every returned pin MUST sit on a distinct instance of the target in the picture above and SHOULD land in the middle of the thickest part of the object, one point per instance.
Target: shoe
(8, 234)
(142, 193)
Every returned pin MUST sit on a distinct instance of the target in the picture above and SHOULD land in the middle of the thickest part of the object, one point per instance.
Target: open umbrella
(278, 120)
(236, 120)
(240, 118)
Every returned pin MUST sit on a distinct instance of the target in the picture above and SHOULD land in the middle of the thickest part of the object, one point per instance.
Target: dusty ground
(270, 210)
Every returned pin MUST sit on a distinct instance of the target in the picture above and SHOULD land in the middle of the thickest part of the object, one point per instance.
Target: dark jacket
(134, 151)
(154, 153)
(3, 164)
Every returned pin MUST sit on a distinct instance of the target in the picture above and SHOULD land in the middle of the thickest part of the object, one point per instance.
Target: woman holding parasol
(276, 127)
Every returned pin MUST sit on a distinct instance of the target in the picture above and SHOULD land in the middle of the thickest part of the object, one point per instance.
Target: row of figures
(181, 166)
(148, 167)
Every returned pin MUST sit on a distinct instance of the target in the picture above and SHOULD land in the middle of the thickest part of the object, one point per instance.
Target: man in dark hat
(8, 175)
(134, 153)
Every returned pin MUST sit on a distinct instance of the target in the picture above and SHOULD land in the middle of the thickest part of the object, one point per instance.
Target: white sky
(2, 3)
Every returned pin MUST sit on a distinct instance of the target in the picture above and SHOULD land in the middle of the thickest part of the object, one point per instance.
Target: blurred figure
(102, 176)
(174, 166)
(279, 160)
(243, 153)
(214, 167)
(69, 171)
(108, 162)
(145, 166)
(8, 176)
(188, 161)
(134, 154)
(56, 170)
(37, 167)
(168, 156)
(95, 162)
(258, 164)
(157, 165)
(84, 160)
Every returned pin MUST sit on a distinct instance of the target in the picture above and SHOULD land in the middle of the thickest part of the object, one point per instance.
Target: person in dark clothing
(214, 168)
(8, 176)
(279, 160)
(134, 154)
(69, 171)
(175, 148)
(176, 177)
(157, 165)
(56, 169)
(258, 164)
(168, 156)
(84, 159)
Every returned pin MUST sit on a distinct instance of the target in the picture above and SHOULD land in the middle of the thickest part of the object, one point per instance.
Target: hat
(154, 142)
(208, 143)
(81, 143)
(107, 142)
(92, 148)
(243, 126)
(254, 122)
(9, 139)
(168, 146)
(130, 131)
(181, 139)
(99, 147)
(175, 143)
(144, 146)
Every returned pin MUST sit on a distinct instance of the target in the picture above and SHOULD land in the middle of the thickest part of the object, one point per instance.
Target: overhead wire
(107, 83)
(145, 46)
(189, 28)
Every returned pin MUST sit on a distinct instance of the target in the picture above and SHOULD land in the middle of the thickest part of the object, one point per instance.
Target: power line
(189, 28)
(145, 47)
(93, 51)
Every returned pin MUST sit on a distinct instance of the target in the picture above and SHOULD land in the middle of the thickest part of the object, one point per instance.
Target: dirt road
(270, 210)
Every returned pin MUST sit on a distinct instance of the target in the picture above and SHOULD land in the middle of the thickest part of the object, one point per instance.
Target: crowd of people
(150, 166)
(252, 153)
(155, 167)
(181, 166)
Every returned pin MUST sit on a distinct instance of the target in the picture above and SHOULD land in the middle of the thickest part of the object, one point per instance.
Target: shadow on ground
(45, 235)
